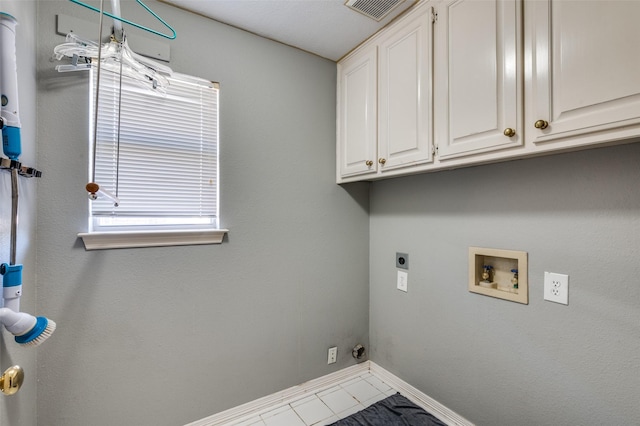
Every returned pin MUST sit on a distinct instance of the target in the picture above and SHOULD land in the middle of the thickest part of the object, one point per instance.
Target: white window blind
(163, 160)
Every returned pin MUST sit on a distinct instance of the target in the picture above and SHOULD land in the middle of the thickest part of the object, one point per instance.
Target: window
(157, 150)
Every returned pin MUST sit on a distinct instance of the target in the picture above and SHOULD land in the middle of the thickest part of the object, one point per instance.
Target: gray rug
(391, 411)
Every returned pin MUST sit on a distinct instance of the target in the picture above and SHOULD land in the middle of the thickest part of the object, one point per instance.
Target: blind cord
(95, 118)
(119, 116)
(92, 187)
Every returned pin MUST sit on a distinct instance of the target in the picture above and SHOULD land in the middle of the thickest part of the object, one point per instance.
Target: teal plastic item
(11, 142)
(11, 275)
(126, 21)
(9, 15)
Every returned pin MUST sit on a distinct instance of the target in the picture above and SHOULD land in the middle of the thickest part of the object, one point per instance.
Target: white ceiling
(327, 28)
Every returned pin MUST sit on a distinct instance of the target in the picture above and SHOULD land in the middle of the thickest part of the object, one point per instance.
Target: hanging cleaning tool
(9, 121)
(12, 148)
(28, 329)
(12, 273)
(9, 118)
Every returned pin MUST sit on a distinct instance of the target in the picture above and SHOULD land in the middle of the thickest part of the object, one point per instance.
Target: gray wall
(498, 362)
(20, 409)
(165, 336)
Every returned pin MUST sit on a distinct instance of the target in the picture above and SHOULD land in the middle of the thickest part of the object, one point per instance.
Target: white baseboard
(273, 401)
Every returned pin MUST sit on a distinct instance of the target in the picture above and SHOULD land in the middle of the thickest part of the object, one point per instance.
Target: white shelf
(133, 239)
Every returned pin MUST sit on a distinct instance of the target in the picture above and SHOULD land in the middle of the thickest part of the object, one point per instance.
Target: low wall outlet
(403, 278)
(556, 288)
(333, 355)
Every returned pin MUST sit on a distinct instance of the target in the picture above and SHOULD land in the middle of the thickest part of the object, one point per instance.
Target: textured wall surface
(166, 336)
(498, 362)
(20, 409)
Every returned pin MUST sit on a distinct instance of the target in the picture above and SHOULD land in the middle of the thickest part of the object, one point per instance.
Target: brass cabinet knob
(369, 163)
(509, 132)
(541, 124)
(382, 161)
(11, 380)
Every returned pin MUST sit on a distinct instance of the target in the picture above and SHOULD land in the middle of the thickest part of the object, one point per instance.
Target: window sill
(133, 239)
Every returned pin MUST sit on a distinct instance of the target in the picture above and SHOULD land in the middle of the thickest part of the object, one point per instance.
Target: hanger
(76, 46)
(115, 57)
(119, 18)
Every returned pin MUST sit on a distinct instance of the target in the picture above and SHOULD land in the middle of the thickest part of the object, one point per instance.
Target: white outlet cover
(332, 356)
(556, 288)
(403, 278)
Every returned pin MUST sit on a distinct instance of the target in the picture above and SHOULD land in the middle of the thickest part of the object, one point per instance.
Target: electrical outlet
(403, 281)
(556, 288)
(402, 260)
(333, 355)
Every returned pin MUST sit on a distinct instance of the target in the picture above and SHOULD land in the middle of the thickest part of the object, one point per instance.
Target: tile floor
(324, 407)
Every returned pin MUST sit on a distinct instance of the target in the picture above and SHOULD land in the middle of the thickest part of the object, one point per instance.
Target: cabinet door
(357, 118)
(478, 76)
(583, 70)
(404, 93)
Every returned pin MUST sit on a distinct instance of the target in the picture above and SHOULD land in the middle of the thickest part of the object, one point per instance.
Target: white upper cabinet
(478, 76)
(583, 64)
(385, 102)
(357, 113)
(488, 80)
(404, 94)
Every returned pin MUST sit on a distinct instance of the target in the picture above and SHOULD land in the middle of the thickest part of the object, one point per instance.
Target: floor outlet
(403, 278)
(556, 288)
(333, 355)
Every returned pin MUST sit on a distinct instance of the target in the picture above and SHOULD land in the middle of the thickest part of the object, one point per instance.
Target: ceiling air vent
(374, 9)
